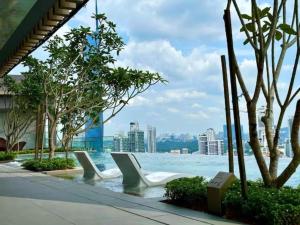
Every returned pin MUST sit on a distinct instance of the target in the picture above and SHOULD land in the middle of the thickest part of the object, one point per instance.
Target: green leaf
(287, 29)
(247, 17)
(246, 41)
(270, 17)
(265, 28)
(278, 35)
(265, 12)
(250, 27)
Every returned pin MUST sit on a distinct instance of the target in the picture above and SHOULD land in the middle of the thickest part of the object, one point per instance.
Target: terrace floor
(35, 199)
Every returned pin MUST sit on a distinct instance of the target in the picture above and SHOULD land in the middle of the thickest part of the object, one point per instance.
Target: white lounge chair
(90, 169)
(133, 175)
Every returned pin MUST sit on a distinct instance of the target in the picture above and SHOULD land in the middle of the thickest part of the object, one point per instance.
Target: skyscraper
(121, 143)
(208, 144)
(94, 135)
(288, 145)
(151, 139)
(136, 138)
(202, 144)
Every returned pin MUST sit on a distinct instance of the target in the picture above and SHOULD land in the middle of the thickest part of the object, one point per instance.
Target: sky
(182, 40)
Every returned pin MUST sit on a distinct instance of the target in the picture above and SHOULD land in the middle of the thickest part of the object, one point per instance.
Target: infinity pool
(201, 165)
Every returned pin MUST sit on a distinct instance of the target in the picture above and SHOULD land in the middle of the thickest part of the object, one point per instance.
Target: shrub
(32, 151)
(49, 164)
(7, 156)
(187, 190)
(265, 205)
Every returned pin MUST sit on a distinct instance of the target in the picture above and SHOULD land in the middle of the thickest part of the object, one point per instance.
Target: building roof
(25, 25)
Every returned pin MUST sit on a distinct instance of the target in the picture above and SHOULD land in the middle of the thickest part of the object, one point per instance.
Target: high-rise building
(283, 135)
(261, 129)
(202, 143)
(121, 143)
(288, 148)
(209, 145)
(136, 138)
(151, 139)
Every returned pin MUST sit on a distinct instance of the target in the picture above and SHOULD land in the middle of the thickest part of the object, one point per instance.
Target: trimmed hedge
(49, 164)
(264, 205)
(4, 156)
(190, 192)
(267, 206)
(32, 151)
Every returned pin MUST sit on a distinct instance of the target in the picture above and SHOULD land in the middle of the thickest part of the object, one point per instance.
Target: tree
(271, 35)
(26, 105)
(79, 79)
(19, 114)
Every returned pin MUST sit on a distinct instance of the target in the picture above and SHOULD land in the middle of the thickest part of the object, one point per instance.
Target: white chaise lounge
(90, 169)
(133, 175)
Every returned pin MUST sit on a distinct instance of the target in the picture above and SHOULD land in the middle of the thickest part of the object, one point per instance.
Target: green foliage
(32, 151)
(7, 156)
(49, 164)
(265, 205)
(268, 206)
(187, 189)
(266, 20)
(79, 79)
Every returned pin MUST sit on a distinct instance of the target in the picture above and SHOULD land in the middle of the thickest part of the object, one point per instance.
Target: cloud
(178, 20)
(196, 105)
(173, 110)
(200, 115)
(171, 96)
(201, 66)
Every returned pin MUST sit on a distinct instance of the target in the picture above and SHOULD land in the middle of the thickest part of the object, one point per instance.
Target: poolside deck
(34, 198)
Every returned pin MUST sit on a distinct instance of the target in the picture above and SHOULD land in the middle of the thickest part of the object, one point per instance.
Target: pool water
(194, 164)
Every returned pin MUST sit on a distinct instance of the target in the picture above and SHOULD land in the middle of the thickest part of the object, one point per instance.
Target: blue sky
(183, 41)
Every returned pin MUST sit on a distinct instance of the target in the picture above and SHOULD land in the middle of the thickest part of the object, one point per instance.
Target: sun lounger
(133, 175)
(91, 170)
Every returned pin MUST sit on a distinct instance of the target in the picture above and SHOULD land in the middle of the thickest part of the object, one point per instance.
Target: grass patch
(49, 164)
(7, 156)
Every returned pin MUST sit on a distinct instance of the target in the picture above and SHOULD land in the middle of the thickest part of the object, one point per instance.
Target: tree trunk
(40, 127)
(52, 138)
(255, 144)
(235, 103)
(293, 165)
(228, 115)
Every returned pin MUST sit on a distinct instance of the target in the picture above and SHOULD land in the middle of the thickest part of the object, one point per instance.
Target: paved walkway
(36, 199)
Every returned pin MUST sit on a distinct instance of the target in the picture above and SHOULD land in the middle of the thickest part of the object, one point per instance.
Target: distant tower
(151, 139)
(202, 144)
(261, 129)
(121, 143)
(208, 143)
(288, 145)
(94, 135)
(136, 138)
(211, 135)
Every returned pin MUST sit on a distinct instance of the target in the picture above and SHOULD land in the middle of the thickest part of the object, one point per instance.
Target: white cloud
(173, 110)
(200, 115)
(196, 105)
(201, 66)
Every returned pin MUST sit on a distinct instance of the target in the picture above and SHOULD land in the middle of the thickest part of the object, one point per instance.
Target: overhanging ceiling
(26, 24)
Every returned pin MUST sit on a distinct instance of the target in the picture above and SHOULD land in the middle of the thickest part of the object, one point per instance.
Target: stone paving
(28, 198)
